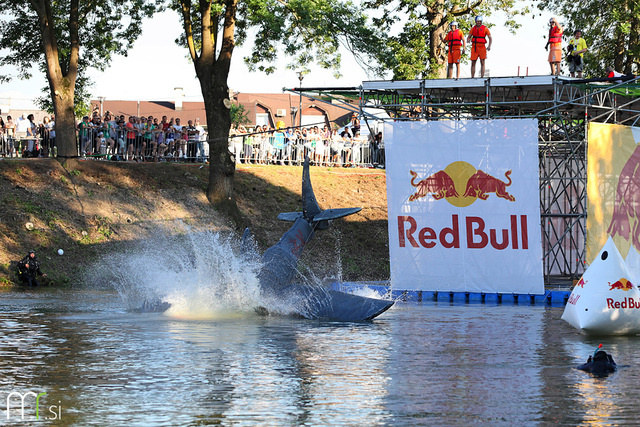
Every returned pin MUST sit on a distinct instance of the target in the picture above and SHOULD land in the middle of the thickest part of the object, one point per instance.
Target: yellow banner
(613, 187)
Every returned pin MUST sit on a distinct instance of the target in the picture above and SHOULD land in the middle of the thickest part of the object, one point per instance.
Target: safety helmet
(479, 18)
(454, 23)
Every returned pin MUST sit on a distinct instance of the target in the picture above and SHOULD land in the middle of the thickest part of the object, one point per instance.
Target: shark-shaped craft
(280, 261)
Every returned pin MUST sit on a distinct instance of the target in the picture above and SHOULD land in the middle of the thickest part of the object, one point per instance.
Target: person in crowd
(21, 126)
(248, 146)
(202, 139)
(50, 124)
(192, 138)
(577, 47)
(149, 137)
(3, 141)
(457, 44)
(336, 148)
(29, 269)
(141, 144)
(131, 137)
(478, 37)
(554, 46)
(355, 123)
(43, 132)
(10, 135)
(83, 135)
(180, 140)
(33, 149)
(347, 144)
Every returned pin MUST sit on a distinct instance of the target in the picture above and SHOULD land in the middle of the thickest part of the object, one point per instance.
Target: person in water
(600, 364)
(29, 269)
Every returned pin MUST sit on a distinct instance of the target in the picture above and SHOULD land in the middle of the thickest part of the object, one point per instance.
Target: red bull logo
(625, 220)
(581, 283)
(622, 284)
(625, 303)
(477, 235)
(461, 184)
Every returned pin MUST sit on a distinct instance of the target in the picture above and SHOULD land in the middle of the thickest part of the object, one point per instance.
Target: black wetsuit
(29, 274)
(600, 365)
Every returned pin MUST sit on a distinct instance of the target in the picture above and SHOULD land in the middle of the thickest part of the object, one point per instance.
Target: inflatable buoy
(605, 301)
(633, 263)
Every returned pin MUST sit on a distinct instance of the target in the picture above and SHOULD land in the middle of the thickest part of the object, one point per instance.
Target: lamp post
(300, 77)
(101, 99)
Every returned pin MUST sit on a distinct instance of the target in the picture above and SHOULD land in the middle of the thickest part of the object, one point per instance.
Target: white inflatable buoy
(633, 263)
(605, 301)
(60, 252)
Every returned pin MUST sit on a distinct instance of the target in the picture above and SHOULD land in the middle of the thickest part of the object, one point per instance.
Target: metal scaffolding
(563, 106)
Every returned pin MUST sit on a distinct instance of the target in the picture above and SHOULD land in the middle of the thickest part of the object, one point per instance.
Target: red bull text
(625, 303)
(477, 235)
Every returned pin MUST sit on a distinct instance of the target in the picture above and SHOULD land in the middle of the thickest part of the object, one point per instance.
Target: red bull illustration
(581, 283)
(439, 184)
(482, 183)
(461, 178)
(622, 284)
(625, 221)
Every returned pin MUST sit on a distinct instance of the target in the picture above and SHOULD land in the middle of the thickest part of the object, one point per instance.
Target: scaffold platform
(564, 106)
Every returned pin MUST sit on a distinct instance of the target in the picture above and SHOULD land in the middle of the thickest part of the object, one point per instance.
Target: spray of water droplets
(200, 274)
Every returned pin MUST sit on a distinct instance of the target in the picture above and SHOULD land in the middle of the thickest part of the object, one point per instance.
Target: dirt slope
(92, 208)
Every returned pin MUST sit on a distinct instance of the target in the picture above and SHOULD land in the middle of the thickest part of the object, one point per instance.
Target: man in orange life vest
(478, 37)
(455, 41)
(555, 43)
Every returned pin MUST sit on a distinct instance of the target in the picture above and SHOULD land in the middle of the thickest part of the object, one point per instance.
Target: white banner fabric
(464, 206)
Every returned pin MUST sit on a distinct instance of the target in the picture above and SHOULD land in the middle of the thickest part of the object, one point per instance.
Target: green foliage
(105, 28)
(611, 29)
(239, 115)
(416, 51)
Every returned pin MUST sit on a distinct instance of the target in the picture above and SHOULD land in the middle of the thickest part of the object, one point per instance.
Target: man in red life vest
(457, 44)
(554, 46)
(478, 37)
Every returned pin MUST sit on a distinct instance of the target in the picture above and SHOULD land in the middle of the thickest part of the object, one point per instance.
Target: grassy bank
(92, 209)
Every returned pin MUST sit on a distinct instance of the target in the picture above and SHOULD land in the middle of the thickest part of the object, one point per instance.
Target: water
(418, 364)
(212, 360)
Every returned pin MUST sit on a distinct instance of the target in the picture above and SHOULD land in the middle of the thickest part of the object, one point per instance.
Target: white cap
(454, 23)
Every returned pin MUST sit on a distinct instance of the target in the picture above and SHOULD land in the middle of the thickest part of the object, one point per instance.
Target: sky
(156, 65)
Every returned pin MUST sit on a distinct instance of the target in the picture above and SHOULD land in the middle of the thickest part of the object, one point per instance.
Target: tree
(239, 115)
(417, 50)
(65, 38)
(307, 30)
(611, 29)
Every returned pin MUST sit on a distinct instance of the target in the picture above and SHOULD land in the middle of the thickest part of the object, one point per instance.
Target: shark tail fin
(310, 209)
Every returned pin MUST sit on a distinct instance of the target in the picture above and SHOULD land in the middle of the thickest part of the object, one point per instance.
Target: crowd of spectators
(117, 137)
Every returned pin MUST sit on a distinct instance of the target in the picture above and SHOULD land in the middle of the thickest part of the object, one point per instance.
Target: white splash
(202, 275)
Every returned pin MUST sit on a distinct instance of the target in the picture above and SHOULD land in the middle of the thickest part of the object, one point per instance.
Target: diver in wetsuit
(600, 365)
(29, 269)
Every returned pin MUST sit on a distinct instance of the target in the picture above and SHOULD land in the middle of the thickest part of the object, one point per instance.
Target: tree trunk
(63, 108)
(221, 162)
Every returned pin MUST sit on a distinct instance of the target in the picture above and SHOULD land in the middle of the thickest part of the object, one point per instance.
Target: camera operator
(577, 47)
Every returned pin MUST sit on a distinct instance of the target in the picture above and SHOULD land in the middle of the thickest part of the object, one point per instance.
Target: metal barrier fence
(276, 149)
(171, 145)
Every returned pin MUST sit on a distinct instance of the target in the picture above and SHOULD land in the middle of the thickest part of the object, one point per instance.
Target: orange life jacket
(555, 35)
(478, 34)
(454, 38)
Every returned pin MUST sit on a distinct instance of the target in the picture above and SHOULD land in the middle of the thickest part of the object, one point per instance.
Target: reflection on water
(418, 364)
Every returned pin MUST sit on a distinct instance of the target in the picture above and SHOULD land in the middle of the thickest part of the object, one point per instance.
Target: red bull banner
(464, 205)
(613, 187)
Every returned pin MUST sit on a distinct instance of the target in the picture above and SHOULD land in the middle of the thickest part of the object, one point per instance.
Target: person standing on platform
(457, 45)
(577, 47)
(554, 46)
(478, 37)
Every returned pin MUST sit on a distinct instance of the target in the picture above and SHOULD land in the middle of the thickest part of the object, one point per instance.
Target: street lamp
(101, 99)
(300, 77)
